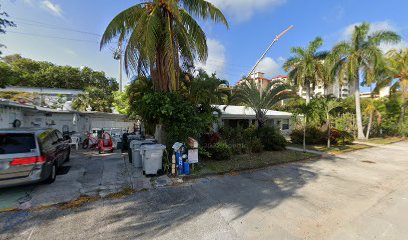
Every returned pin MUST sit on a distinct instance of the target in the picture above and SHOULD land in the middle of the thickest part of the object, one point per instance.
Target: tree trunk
(160, 134)
(307, 86)
(328, 131)
(403, 110)
(359, 120)
(370, 122)
(304, 134)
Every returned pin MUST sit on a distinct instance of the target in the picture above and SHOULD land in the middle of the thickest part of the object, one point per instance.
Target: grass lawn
(336, 149)
(248, 161)
(386, 140)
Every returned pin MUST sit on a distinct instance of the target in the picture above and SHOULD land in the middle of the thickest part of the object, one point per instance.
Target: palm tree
(95, 99)
(329, 104)
(157, 34)
(398, 69)
(261, 100)
(208, 89)
(307, 110)
(361, 55)
(371, 110)
(307, 66)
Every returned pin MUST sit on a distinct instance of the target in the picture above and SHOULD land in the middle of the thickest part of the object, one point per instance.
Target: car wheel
(85, 144)
(68, 155)
(53, 174)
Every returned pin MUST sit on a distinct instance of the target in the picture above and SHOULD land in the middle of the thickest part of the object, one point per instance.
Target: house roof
(9, 103)
(245, 112)
(53, 91)
(280, 76)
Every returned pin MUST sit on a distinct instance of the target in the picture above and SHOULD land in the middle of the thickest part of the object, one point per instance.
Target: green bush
(313, 136)
(272, 139)
(232, 135)
(203, 152)
(221, 151)
(345, 138)
(255, 146)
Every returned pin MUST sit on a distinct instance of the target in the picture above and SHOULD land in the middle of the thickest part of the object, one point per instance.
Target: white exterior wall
(103, 122)
(78, 122)
(9, 114)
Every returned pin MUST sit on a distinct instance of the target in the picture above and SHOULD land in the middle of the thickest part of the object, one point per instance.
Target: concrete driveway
(87, 173)
(359, 195)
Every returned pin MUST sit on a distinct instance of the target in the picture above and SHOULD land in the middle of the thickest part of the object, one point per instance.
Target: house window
(285, 124)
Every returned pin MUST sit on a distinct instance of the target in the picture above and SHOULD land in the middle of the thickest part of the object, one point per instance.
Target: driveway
(87, 173)
(358, 195)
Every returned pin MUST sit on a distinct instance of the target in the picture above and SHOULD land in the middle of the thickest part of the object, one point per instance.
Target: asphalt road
(87, 173)
(359, 195)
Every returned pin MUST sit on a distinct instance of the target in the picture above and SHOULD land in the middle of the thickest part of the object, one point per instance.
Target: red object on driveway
(105, 144)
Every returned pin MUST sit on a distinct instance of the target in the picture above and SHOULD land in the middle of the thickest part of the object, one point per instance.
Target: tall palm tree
(398, 69)
(159, 34)
(361, 56)
(306, 66)
(261, 100)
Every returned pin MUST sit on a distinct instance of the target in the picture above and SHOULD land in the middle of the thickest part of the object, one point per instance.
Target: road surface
(358, 195)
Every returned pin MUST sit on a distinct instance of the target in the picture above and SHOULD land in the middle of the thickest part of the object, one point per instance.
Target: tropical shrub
(345, 138)
(255, 146)
(272, 139)
(180, 118)
(313, 136)
(221, 151)
(232, 135)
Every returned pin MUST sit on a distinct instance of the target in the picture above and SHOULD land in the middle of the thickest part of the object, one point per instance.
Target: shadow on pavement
(153, 213)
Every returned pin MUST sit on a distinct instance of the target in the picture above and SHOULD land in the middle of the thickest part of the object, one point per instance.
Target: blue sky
(42, 31)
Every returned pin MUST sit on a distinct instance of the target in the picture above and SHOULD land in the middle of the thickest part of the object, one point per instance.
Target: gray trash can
(134, 152)
(152, 158)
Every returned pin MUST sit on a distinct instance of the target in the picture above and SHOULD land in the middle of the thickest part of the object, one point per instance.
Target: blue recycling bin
(187, 168)
(179, 162)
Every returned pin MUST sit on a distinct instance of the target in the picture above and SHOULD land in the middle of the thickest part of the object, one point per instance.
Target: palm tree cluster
(159, 36)
(261, 100)
(353, 60)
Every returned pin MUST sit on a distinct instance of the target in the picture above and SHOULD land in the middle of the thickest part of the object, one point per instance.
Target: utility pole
(267, 50)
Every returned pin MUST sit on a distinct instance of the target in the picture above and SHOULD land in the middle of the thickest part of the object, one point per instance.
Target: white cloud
(269, 66)
(51, 7)
(216, 58)
(242, 10)
(374, 27)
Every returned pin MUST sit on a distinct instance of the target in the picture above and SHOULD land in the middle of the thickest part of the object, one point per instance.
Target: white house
(234, 116)
(74, 121)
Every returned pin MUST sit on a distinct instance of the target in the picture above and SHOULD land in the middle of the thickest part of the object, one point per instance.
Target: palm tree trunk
(304, 134)
(403, 109)
(370, 122)
(328, 131)
(307, 86)
(360, 133)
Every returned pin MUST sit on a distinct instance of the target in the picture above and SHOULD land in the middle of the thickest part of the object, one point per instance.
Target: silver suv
(31, 155)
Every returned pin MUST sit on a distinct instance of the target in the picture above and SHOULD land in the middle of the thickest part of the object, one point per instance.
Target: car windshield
(11, 143)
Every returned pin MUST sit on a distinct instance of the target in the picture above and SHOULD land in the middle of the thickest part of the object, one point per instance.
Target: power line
(54, 37)
(52, 26)
(59, 28)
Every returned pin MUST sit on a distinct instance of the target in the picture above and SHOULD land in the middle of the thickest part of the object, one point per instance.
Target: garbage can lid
(137, 143)
(153, 147)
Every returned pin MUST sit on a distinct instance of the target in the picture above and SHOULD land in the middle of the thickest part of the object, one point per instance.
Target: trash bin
(152, 158)
(134, 154)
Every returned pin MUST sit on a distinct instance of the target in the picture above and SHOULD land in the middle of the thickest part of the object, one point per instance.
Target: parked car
(31, 155)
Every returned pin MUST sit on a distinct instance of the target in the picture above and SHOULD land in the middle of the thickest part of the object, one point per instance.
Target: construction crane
(267, 50)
